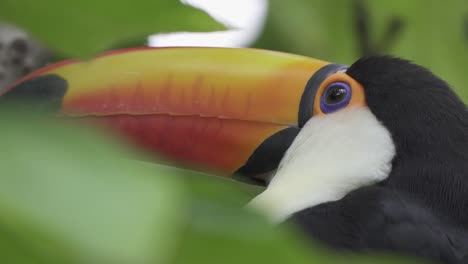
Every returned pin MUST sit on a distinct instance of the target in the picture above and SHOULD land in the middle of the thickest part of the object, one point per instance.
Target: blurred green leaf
(316, 28)
(219, 230)
(433, 34)
(86, 27)
(66, 196)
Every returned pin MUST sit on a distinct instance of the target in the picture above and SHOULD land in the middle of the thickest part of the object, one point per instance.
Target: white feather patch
(333, 155)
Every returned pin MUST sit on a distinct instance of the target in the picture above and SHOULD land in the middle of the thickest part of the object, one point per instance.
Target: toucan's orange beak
(206, 107)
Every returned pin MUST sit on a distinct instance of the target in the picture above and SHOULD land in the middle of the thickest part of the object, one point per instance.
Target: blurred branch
(392, 32)
(465, 28)
(363, 29)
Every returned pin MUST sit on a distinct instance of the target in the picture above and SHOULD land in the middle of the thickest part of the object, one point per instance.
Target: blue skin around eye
(330, 108)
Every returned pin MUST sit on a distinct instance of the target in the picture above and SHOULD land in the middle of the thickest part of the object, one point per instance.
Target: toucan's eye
(337, 95)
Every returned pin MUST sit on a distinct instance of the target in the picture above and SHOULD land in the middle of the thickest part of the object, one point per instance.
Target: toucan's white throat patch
(333, 155)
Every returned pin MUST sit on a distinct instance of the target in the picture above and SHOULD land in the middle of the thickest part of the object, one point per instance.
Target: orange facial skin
(358, 96)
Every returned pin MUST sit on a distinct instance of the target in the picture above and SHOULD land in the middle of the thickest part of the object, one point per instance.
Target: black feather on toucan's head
(418, 108)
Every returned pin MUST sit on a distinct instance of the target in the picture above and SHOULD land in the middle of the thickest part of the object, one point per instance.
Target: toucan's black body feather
(422, 207)
(379, 219)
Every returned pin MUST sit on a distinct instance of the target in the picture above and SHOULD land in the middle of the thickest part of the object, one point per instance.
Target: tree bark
(20, 54)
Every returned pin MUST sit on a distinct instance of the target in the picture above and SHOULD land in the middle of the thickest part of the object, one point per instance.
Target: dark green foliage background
(71, 195)
(433, 33)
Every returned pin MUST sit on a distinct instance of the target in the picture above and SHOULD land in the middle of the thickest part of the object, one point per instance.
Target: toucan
(382, 165)
(371, 157)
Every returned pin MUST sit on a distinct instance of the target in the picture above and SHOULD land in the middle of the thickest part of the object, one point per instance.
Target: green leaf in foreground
(66, 196)
(86, 27)
(218, 230)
